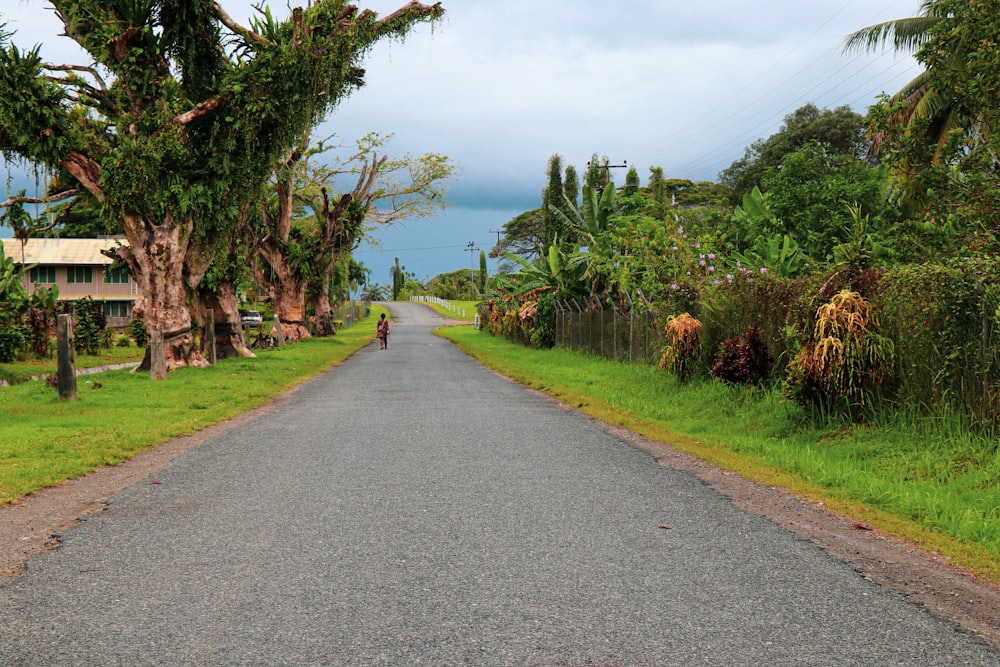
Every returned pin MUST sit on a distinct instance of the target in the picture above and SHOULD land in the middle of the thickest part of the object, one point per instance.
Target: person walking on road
(383, 332)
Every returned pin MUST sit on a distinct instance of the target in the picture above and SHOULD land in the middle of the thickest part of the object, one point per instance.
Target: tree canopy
(840, 131)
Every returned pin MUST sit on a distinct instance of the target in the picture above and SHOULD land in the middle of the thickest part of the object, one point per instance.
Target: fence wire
(632, 335)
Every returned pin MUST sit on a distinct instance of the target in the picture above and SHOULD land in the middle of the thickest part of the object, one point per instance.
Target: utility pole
(470, 248)
(607, 169)
(498, 232)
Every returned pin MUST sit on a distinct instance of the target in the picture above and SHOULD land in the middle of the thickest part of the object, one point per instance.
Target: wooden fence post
(279, 335)
(157, 356)
(65, 363)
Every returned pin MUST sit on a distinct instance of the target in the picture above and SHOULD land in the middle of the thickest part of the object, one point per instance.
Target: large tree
(840, 131)
(173, 133)
(317, 220)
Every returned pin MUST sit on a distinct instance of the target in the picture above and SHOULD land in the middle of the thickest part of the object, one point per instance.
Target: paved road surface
(412, 508)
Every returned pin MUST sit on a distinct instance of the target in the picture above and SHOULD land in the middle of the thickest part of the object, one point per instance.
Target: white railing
(441, 302)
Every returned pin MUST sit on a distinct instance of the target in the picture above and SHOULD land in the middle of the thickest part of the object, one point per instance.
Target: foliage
(921, 111)
(846, 360)
(943, 319)
(810, 196)
(553, 202)
(594, 218)
(12, 293)
(523, 235)
(40, 320)
(483, 272)
(139, 333)
(89, 323)
(452, 286)
(374, 292)
(398, 279)
(179, 122)
(840, 132)
(781, 253)
(11, 343)
(561, 272)
(680, 354)
(527, 318)
(744, 359)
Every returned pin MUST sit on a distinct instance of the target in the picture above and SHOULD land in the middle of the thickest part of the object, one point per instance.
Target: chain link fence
(350, 312)
(633, 335)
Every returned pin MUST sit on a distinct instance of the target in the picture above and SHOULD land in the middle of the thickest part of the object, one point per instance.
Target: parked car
(251, 317)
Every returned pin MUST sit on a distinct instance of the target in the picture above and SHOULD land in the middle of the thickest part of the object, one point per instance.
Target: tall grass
(931, 480)
(44, 442)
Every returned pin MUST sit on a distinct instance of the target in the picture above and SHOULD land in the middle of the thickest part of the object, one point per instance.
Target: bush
(88, 327)
(11, 341)
(846, 360)
(139, 333)
(744, 359)
(123, 341)
(681, 352)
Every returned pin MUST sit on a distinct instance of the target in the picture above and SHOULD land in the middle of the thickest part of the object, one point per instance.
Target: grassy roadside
(22, 371)
(460, 310)
(44, 442)
(926, 481)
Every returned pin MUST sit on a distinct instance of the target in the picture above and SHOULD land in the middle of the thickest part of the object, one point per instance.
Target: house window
(42, 275)
(79, 274)
(117, 308)
(116, 277)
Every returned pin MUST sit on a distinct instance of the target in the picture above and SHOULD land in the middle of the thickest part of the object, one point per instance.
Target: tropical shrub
(89, 323)
(11, 341)
(744, 359)
(943, 321)
(680, 355)
(846, 360)
(139, 333)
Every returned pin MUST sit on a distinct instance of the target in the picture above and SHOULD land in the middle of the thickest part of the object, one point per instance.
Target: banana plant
(782, 255)
(11, 281)
(595, 216)
(559, 271)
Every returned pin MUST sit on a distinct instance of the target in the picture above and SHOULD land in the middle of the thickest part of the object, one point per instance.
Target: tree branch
(201, 109)
(66, 194)
(236, 28)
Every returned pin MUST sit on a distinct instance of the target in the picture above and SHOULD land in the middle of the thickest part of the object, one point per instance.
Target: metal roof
(61, 251)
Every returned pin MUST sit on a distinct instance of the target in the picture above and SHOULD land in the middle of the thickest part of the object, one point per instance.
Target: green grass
(44, 442)
(460, 310)
(22, 371)
(931, 481)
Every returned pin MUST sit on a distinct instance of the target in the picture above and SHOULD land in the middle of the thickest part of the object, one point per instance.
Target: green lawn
(21, 371)
(931, 481)
(457, 310)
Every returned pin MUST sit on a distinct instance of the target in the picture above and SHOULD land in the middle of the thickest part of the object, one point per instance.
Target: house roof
(61, 251)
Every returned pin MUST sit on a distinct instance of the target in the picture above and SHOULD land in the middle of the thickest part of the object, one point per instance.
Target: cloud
(501, 85)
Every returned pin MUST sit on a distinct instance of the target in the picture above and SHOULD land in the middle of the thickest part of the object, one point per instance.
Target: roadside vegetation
(925, 478)
(44, 442)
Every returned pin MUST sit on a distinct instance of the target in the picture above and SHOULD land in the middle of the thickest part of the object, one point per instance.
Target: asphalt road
(412, 508)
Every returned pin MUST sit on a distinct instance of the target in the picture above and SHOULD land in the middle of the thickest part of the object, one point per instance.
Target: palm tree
(923, 107)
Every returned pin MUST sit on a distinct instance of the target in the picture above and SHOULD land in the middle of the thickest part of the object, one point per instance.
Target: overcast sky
(501, 85)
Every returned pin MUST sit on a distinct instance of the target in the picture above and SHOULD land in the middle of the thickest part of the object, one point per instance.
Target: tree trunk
(323, 311)
(229, 341)
(286, 290)
(156, 257)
